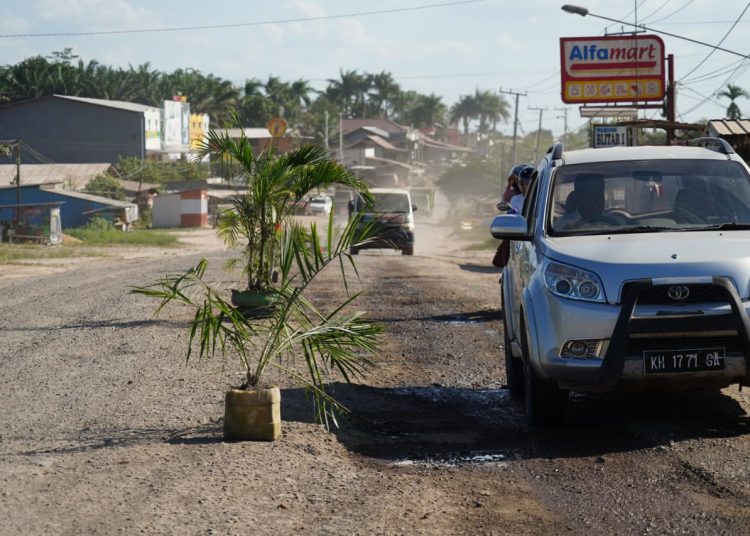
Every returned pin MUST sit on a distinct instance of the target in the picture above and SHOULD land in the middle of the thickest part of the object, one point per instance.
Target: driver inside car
(585, 204)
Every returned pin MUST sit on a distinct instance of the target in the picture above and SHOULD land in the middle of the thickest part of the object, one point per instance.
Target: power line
(717, 45)
(246, 24)
(634, 10)
(655, 11)
(665, 17)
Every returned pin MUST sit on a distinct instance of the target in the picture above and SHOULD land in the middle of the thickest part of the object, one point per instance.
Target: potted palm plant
(297, 337)
(272, 185)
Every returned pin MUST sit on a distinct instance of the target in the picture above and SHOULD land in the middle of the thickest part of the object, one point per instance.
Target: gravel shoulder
(105, 430)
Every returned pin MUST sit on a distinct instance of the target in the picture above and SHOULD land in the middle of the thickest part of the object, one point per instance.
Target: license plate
(694, 360)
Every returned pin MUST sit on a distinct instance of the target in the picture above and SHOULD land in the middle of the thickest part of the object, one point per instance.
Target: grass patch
(115, 237)
(10, 253)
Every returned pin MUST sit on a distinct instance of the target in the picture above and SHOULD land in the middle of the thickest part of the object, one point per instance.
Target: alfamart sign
(612, 69)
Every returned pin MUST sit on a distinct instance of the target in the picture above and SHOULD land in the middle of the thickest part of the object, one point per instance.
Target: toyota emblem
(678, 292)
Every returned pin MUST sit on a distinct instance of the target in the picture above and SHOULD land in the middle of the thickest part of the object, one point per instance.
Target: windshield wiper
(640, 229)
(722, 226)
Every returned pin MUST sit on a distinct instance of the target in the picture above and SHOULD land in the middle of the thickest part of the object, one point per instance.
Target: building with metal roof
(735, 131)
(76, 208)
(63, 176)
(73, 130)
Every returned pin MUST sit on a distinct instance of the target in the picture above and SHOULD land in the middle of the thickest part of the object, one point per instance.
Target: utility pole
(326, 129)
(670, 104)
(515, 124)
(538, 132)
(565, 117)
(6, 147)
(18, 182)
(341, 137)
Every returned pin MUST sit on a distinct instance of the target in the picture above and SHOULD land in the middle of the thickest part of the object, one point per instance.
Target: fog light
(582, 349)
(577, 348)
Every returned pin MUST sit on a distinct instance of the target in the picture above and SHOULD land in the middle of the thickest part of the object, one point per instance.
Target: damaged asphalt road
(104, 429)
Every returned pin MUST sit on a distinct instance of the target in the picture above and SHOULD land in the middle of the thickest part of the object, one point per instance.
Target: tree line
(353, 95)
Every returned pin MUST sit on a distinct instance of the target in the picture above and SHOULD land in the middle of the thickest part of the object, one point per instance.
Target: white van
(395, 212)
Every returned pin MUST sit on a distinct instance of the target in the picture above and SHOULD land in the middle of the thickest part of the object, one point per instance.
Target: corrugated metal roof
(729, 127)
(95, 198)
(77, 175)
(350, 125)
(121, 105)
(377, 140)
(134, 186)
(396, 163)
(250, 133)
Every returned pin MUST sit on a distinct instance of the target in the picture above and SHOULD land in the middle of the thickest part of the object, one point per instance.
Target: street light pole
(582, 11)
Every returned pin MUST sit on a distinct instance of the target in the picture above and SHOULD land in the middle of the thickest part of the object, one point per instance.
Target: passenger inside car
(584, 204)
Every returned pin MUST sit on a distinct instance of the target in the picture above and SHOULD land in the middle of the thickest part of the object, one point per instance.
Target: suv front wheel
(513, 367)
(545, 401)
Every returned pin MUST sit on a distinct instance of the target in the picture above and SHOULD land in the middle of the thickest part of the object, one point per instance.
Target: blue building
(76, 208)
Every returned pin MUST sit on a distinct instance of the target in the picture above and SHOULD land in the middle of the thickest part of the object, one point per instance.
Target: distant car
(394, 211)
(320, 205)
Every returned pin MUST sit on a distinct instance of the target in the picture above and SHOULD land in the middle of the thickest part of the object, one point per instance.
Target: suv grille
(698, 293)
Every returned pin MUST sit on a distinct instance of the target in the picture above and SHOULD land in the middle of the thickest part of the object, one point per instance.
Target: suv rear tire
(408, 250)
(545, 401)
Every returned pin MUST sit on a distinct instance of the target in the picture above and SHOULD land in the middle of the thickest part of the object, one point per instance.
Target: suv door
(522, 255)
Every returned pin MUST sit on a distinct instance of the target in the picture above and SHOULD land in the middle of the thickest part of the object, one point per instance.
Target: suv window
(624, 196)
(390, 202)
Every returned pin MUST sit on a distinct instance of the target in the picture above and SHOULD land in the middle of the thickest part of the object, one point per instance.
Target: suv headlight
(571, 282)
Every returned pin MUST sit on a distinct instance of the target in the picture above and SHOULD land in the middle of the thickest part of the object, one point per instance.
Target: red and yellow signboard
(612, 69)
(277, 127)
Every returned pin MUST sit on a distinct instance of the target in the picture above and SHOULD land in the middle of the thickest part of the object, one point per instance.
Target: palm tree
(733, 92)
(273, 184)
(385, 90)
(492, 108)
(466, 109)
(349, 93)
(296, 99)
(403, 104)
(428, 110)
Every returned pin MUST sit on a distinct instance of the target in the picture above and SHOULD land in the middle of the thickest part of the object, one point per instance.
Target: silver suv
(629, 270)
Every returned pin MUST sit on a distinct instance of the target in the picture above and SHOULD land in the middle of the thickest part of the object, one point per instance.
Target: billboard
(172, 123)
(612, 69)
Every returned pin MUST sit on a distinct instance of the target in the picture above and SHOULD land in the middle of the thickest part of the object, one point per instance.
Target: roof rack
(715, 144)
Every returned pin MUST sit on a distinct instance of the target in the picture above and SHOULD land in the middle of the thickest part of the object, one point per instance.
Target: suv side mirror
(510, 227)
(414, 208)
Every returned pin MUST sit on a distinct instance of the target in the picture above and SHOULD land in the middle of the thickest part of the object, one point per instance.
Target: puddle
(459, 322)
(495, 460)
(470, 396)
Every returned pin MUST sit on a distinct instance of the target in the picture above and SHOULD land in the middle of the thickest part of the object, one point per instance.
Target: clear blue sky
(450, 50)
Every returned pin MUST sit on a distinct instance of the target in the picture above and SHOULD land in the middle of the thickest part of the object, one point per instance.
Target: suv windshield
(649, 195)
(390, 202)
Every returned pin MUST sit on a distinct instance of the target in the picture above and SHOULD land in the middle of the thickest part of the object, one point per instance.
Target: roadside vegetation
(10, 253)
(100, 232)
